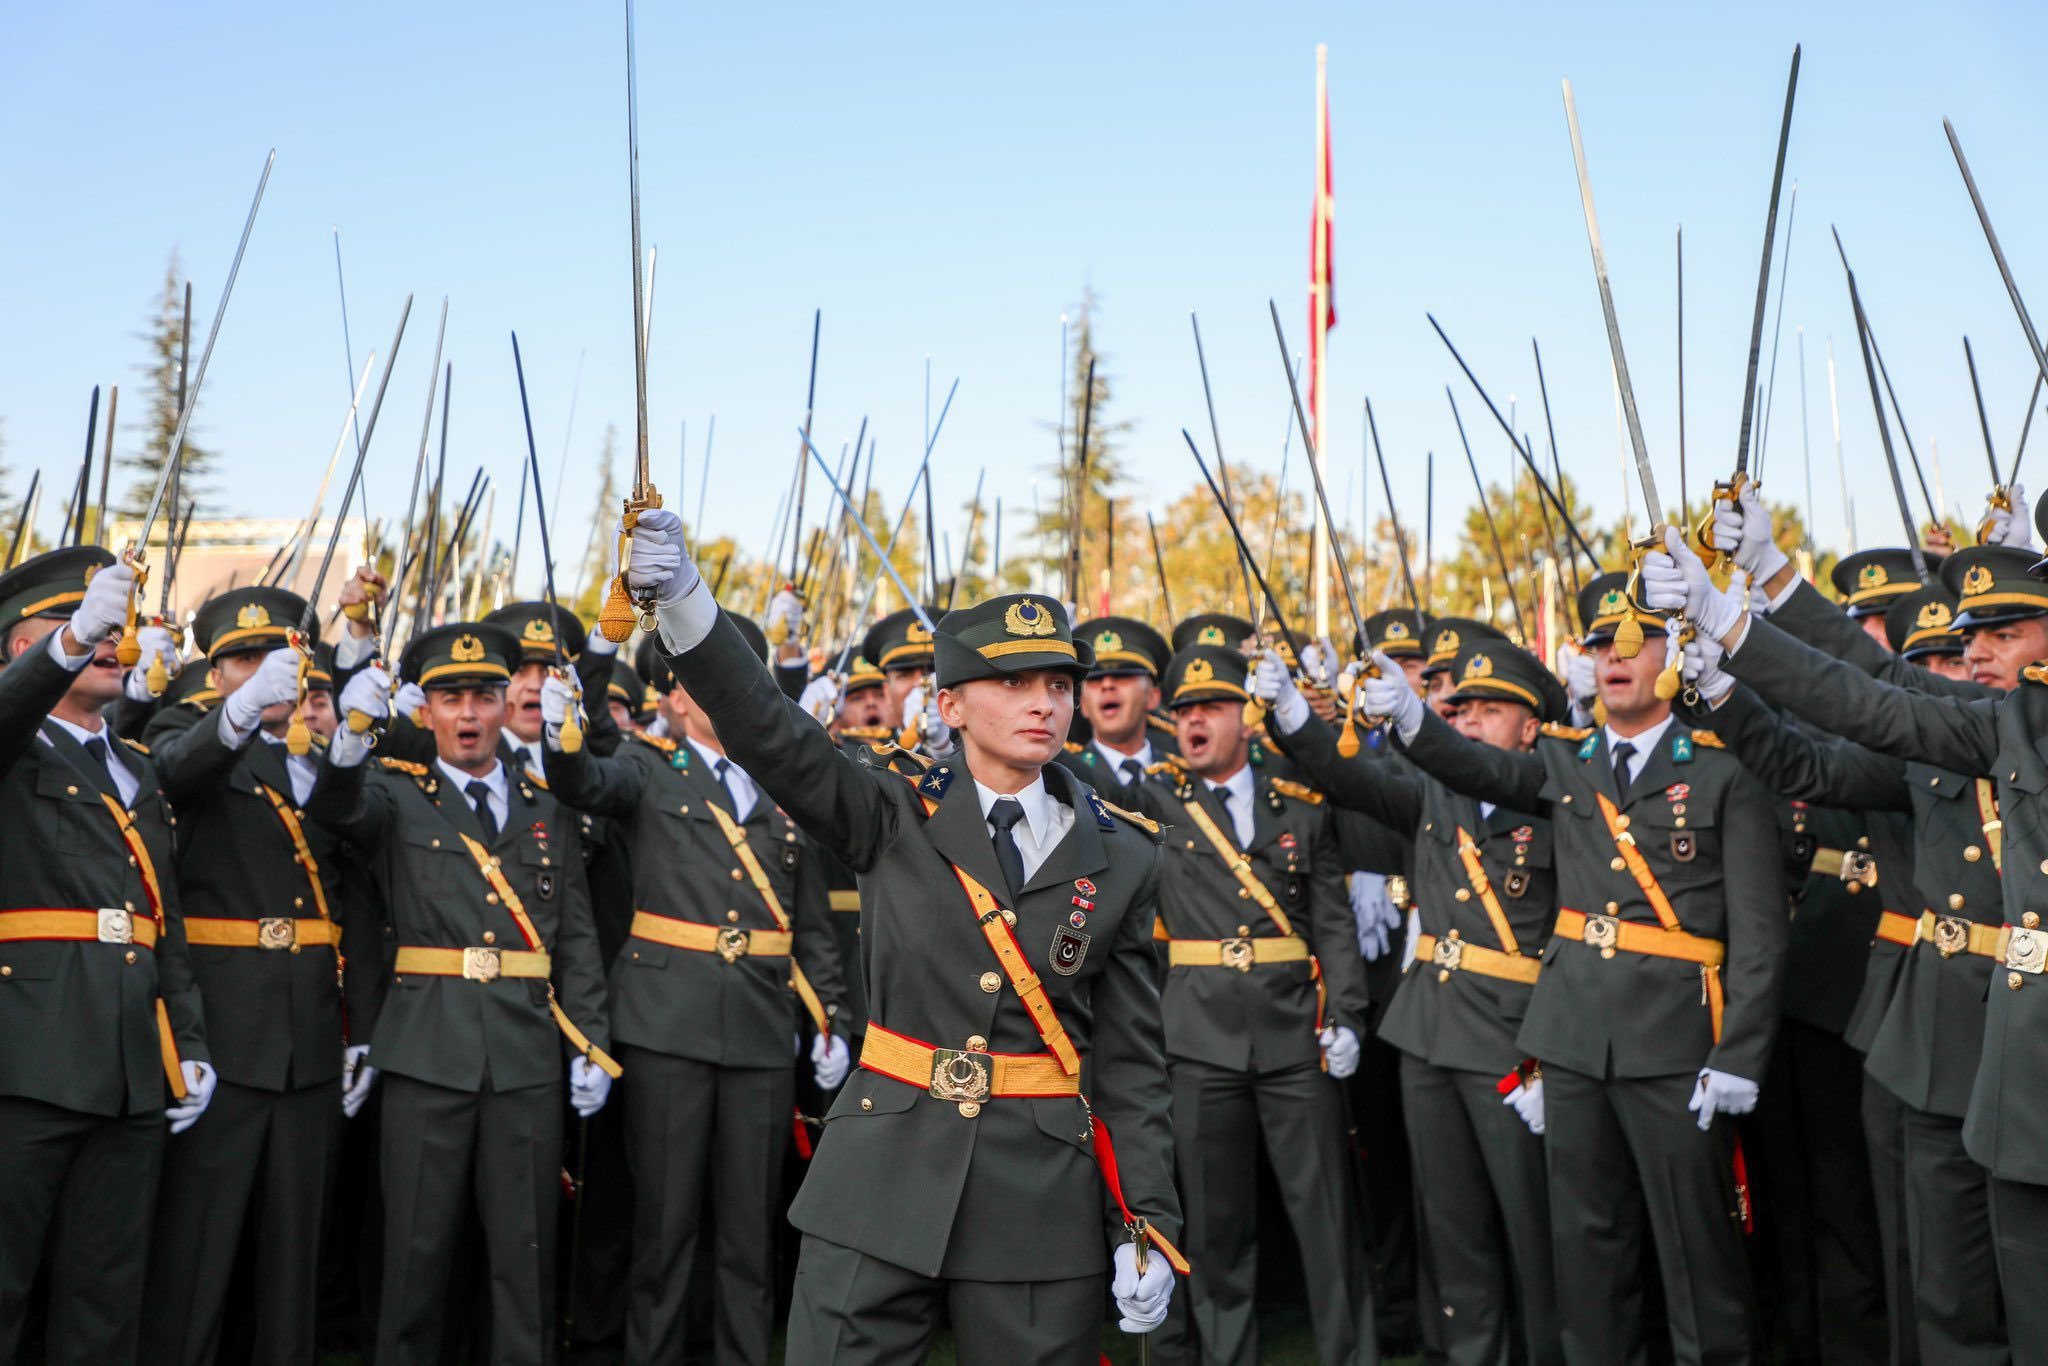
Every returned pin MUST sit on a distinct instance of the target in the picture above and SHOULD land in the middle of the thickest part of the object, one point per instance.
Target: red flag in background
(1322, 304)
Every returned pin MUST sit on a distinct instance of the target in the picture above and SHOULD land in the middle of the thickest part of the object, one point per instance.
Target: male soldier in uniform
(1447, 636)
(496, 966)
(729, 949)
(1398, 633)
(901, 647)
(1870, 581)
(630, 699)
(98, 1008)
(1487, 894)
(1659, 992)
(261, 895)
(1007, 920)
(1118, 699)
(1265, 995)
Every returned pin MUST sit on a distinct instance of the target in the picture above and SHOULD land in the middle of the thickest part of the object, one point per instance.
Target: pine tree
(593, 581)
(1103, 469)
(159, 423)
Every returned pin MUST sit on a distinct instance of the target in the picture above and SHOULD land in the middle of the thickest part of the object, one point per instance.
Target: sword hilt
(129, 652)
(616, 620)
(572, 725)
(1725, 491)
(298, 741)
(2000, 501)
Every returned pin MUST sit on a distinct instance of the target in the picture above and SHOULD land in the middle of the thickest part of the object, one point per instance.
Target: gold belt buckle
(1602, 931)
(276, 932)
(2026, 950)
(1237, 953)
(116, 926)
(1448, 954)
(1951, 936)
(732, 944)
(961, 1074)
(481, 965)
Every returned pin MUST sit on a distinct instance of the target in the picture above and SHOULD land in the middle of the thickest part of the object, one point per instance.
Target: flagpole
(1319, 331)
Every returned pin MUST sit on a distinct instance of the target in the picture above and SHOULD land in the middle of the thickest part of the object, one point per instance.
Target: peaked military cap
(1212, 628)
(1124, 645)
(249, 619)
(462, 654)
(1923, 622)
(320, 677)
(861, 674)
(194, 683)
(1448, 635)
(533, 623)
(900, 641)
(1397, 632)
(1207, 673)
(1603, 604)
(1992, 584)
(1011, 634)
(51, 584)
(1870, 580)
(650, 664)
(1502, 670)
(627, 686)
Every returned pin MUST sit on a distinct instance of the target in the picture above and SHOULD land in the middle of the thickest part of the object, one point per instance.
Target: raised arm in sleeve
(1809, 617)
(1389, 793)
(1509, 778)
(1803, 763)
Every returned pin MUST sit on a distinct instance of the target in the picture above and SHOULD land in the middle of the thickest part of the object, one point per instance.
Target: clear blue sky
(945, 179)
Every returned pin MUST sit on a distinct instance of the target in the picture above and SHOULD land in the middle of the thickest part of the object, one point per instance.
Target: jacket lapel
(1265, 822)
(74, 754)
(959, 832)
(1601, 761)
(1658, 771)
(267, 766)
(1080, 850)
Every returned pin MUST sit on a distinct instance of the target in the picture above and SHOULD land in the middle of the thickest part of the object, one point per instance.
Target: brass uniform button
(1567, 799)
(1971, 853)
(1009, 917)
(1955, 901)
(490, 898)
(1678, 809)
(1617, 863)
(867, 1105)
(1863, 841)
(1462, 894)
(2012, 979)
(544, 861)
(6, 969)
(1243, 930)
(991, 982)
(976, 1044)
(298, 903)
(129, 956)
(434, 844)
(295, 948)
(71, 792)
(2030, 920)
(1614, 908)
(1621, 822)
(1680, 822)
(1443, 974)
(732, 917)
(969, 1109)
(1244, 894)
(490, 937)
(737, 875)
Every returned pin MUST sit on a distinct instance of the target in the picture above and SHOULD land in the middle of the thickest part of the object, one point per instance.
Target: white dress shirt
(744, 792)
(125, 781)
(1644, 742)
(1243, 790)
(1045, 822)
(1116, 760)
(500, 797)
(304, 769)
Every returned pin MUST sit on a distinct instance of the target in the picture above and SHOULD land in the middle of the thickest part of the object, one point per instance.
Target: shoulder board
(201, 700)
(1104, 810)
(660, 742)
(2035, 673)
(1298, 791)
(404, 766)
(1558, 731)
(135, 745)
(1071, 747)
(1161, 723)
(1171, 763)
(1709, 739)
(536, 779)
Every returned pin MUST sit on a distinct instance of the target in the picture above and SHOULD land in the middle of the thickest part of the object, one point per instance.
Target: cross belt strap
(1608, 934)
(270, 932)
(1452, 954)
(297, 833)
(167, 1042)
(1482, 887)
(756, 874)
(1240, 867)
(1638, 866)
(1898, 929)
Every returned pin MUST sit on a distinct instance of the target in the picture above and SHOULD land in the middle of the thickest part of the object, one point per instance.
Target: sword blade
(1763, 272)
(1997, 252)
(860, 525)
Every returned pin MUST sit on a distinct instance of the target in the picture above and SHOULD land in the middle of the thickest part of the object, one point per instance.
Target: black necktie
(1004, 814)
(1622, 754)
(732, 797)
(480, 793)
(1133, 771)
(97, 748)
(1222, 796)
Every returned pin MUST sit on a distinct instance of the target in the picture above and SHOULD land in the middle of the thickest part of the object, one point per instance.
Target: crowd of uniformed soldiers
(504, 998)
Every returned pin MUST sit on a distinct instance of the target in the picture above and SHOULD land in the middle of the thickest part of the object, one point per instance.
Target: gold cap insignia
(1479, 666)
(1612, 601)
(251, 617)
(1978, 580)
(1109, 640)
(1199, 671)
(1397, 629)
(537, 632)
(1027, 618)
(917, 634)
(1872, 576)
(1210, 635)
(1935, 616)
(466, 650)
(1446, 643)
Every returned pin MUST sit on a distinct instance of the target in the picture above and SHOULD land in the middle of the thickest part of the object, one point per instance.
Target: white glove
(1674, 579)
(589, 1084)
(368, 692)
(1340, 1048)
(1374, 913)
(1743, 530)
(1273, 685)
(659, 567)
(356, 1078)
(557, 702)
(913, 707)
(276, 680)
(1317, 659)
(1140, 1300)
(410, 697)
(157, 642)
(829, 1061)
(821, 697)
(938, 735)
(787, 608)
(1582, 679)
(1721, 1093)
(1526, 1100)
(1392, 696)
(200, 1078)
(104, 609)
(2009, 525)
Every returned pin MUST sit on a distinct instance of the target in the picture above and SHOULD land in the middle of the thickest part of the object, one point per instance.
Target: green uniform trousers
(1884, 1128)
(2019, 1226)
(851, 1309)
(1482, 1193)
(442, 1152)
(1621, 1149)
(1949, 1238)
(256, 1159)
(87, 1185)
(1219, 1116)
(694, 1128)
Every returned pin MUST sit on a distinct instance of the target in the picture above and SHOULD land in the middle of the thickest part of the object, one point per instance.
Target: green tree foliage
(162, 337)
(1084, 481)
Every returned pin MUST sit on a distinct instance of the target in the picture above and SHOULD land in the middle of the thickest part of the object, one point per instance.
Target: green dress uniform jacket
(1462, 1020)
(1704, 827)
(1263, 1020)
(449, 1031)
(683, 1002)
(80, 1017)
(1011, 1193)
